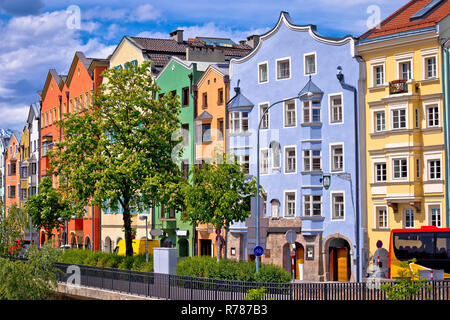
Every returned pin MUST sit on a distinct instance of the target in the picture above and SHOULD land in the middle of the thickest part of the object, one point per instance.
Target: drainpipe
(348, 87)
(445, 83)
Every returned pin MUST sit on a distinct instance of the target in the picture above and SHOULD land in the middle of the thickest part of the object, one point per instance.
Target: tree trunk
(127, 229)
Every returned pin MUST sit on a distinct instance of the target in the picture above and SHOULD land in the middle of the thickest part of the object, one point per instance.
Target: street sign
(156, 232)
(326, 182)
(293, 253)
(379, 244)
(258, 251)
(290, 236)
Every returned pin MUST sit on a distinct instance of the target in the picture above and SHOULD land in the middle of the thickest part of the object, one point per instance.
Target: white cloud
(32, 45)
(145, 12)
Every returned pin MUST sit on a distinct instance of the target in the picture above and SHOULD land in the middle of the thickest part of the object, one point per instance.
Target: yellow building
(404, 124)
(24, 164)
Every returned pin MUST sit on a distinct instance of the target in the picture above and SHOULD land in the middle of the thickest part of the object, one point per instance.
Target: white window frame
(377, 220)
(260, 113)
(285, 104)
(276, 68)
(427, 107)
(311, 160)
(285, 204)
(429, 169)
(308, 54)
(407, 168)
(240, 118)
(375, 123)
(429, 207)
(404, 218)
(273, 158)
(332, 196)
(376, 172)
(272, 207)
(259, 74)
(378, 62)
(403, 58)
(427, 54)
(391, 114)
(241, 160)
(311, 202)
(330, 108)
(310, 112)
(285, 159)
(332, 145)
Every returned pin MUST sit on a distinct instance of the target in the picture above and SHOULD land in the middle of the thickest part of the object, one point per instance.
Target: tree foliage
(119, 152)
(220, 194)
(12, 228)
(46, 207)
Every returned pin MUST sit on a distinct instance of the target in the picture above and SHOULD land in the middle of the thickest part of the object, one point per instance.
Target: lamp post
(299, 96)
(340, 77)
(142, 217)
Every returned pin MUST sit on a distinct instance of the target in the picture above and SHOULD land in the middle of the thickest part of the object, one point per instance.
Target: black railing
(176, 287)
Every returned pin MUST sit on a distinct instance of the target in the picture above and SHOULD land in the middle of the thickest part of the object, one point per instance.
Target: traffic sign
(379, 244)
(293, 253)
(258, 251)
(290, 236)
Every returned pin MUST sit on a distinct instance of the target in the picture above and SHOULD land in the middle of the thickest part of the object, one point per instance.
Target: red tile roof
(400, 21)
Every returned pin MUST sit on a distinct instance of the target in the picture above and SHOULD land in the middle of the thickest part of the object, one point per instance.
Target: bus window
(442, 245)
(414, 245)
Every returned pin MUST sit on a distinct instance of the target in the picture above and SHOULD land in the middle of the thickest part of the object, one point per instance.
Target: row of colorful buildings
(353, 138)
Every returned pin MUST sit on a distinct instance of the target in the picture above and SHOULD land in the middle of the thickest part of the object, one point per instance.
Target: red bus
(430, 246)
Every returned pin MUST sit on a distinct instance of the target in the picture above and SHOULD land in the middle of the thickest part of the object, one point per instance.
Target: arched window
(276, 154)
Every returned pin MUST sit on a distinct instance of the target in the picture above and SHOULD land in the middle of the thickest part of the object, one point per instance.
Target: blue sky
(36, 34)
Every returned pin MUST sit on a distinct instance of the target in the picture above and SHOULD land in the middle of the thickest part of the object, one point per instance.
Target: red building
(71, 93)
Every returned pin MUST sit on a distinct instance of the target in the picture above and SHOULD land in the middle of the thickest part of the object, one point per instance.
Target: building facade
(404, 124)
(12, 165)
(307, 136)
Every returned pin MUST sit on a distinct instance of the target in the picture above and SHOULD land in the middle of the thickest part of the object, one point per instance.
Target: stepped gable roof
(414, 15)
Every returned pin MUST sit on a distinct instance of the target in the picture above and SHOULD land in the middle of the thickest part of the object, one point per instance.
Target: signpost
(258, 251)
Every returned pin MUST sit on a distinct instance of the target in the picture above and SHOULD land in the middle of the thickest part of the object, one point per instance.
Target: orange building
(212, 92)
(12, 177)
(62, 95)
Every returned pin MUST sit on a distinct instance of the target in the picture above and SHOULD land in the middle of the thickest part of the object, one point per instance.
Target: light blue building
(308, 136)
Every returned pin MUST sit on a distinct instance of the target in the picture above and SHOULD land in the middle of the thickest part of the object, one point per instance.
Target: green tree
(220, 194)
(46, 207)
(12, 228)
(119, 151)
(34, 279)
(405, 285)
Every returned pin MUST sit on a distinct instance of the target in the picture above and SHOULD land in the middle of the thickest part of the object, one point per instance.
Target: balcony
(398, 86)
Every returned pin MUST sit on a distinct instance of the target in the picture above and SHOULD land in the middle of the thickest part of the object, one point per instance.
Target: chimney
(253, 40)
(242, 42)
(177, 35)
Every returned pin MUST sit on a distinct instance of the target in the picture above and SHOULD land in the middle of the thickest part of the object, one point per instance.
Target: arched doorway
(73, 241)
(339, 262)
(299, 261)
(108, 245)
(287, 257)
(42, 238)
(87, 243)
(183, 248)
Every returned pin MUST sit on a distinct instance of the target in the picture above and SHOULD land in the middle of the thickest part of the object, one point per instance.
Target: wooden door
(331, 263)
(342, 264)
(300, 254)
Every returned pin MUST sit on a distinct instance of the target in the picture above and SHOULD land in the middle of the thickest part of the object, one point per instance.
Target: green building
(179, 77)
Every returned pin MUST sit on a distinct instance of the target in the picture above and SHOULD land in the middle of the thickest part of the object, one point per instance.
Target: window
(382, 218)
(33, 168)
(185, 96)
(185, 134)
(75, 106)
(265, 120)
(283, 69)
(417, 118)
(220, 128)
(380, 121)
(418, 168)
(434, 169)
(238, 122)
(290, 204)
(206, 132)
(185, 168)
(13, 170)
(312, 160)
(400, 168)
(262, 73)
(276, 155)
(435, 213)
(310, 64)
(337, 158)
(290, 160)
(433, 116)
(275, 208)
(289, 114)
(86, 101)
(430, 68)
(337, 200)
(71, 106)
(409, 218)
(399, 119)
(378, 75)
(12, 191)
(264, 163)
(205, 100)
(311, 111)
(380, 172)
(81, 102)
(336, 115)
(220, 96)
(245, 161)
(405, 70)
(312, 205)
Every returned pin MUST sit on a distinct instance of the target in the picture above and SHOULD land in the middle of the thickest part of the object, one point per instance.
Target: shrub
(272, 273)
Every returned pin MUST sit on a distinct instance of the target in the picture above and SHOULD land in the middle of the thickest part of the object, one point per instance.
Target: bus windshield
(421, 245)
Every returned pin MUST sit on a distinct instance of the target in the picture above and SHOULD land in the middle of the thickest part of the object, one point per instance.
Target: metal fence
(176, 287)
